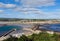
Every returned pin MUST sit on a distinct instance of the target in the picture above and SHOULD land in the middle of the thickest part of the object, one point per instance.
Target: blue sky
(30, 9)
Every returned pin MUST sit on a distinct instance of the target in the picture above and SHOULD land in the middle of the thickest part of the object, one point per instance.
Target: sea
(4, 29)
(51, 27)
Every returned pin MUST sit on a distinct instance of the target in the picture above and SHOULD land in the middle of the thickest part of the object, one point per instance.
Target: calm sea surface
(52, 27)
(4, 29)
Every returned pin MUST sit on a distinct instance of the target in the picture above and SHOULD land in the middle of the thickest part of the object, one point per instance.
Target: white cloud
(1, 11)
(38, 13)
(2, 5)
(10, 5)
(37, 3)
(17, 0)
(29, 10)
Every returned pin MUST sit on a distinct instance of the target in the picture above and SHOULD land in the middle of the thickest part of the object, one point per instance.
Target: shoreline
(27, 31)
(22, 22)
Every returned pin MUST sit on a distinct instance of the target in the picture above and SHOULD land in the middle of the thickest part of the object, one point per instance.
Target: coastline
(25, 31)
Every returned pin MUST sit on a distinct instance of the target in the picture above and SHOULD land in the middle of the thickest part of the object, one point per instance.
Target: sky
(30, 9)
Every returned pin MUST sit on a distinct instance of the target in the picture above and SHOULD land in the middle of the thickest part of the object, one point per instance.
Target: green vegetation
(9, 19)
(17, 19)
(43, 36)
